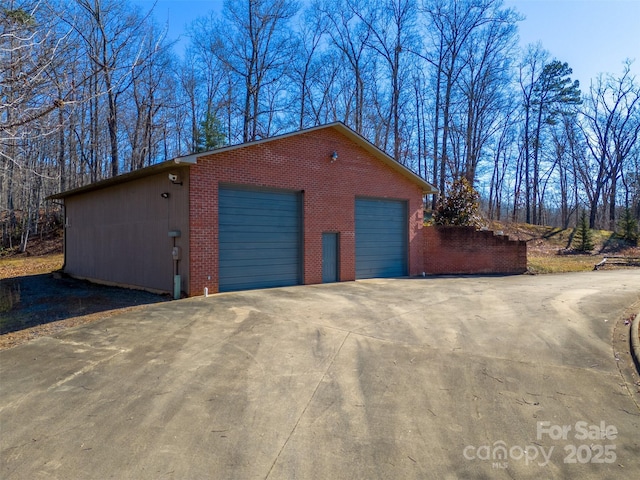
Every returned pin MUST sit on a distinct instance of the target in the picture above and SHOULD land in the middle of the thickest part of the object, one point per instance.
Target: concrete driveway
(447, 378)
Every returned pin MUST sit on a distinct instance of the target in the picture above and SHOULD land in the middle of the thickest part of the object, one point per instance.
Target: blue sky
(593, 36)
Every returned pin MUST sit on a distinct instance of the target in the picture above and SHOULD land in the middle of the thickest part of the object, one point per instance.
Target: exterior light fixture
(175, 179)
(334, 157)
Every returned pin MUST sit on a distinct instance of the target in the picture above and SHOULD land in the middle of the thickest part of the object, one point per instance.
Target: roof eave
(125, 177)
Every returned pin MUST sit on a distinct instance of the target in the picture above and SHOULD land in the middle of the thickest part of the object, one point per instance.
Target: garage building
(318, 205)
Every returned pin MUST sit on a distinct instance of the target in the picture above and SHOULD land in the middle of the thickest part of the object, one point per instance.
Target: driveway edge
(635, 341)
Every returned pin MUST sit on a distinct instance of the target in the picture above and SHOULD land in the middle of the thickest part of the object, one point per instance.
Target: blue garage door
(381, 238)
(259, 238)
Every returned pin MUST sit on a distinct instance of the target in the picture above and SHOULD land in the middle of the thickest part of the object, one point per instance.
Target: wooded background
(91, 88)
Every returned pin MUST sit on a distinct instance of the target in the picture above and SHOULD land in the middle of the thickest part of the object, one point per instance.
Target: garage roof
(193, 158)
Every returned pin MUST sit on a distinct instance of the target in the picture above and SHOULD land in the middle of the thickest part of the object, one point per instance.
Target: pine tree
(210, 134)
(584, 236)
(628, 226)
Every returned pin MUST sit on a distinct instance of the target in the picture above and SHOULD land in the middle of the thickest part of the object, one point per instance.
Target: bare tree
(502, 159)
(453, 25)
(148, 98)
(114, 45)
(208, 83)
(567, 151)
(254, 43)
(68, 70)
(392, 27)
(350, 35)
(325, 92)
(530, 71)
(31, 47)
(305, 66)
(611, 128)
(485, 85)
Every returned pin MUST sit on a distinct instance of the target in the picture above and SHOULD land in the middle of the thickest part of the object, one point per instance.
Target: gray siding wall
(119, 235)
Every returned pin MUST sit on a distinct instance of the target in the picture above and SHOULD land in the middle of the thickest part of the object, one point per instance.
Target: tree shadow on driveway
(33, 300)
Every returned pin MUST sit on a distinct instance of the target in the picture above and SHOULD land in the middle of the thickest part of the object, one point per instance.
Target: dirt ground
(42, 305)
(36, 300)
(554, 241)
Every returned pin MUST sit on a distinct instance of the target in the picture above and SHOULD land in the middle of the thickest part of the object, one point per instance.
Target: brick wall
(302, 163)
(458, 250)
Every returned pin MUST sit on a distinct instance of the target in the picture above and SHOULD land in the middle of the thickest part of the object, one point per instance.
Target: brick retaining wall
(465, 250)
